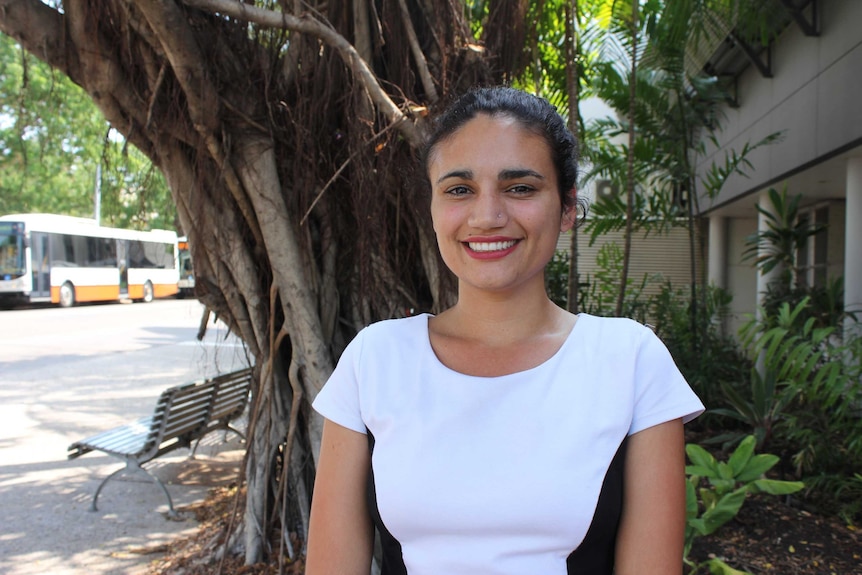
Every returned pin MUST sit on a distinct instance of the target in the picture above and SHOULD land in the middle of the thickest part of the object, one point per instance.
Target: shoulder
(620, 329)
(413, 326)
(388, 335)
(619, 339)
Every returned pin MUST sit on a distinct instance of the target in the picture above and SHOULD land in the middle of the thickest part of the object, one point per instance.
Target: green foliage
(785, 235)
(825, 303)
(557, 278)
(705, 357)
(716, 491)
(761, 411)
(804, 400)
(789, 362)
(600, 293)
(735, 163)
(52, 140)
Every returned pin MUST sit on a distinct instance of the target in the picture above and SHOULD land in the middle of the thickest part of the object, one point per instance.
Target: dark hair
(533, 113)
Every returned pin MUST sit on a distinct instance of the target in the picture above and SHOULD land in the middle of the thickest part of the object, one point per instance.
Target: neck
(505, 317)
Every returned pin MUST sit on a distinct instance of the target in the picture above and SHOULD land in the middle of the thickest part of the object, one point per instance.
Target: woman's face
(495, 204)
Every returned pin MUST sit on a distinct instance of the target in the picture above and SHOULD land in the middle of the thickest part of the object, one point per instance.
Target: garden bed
(767, 537)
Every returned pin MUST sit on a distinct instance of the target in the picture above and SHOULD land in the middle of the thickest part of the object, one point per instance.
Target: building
(807, 83)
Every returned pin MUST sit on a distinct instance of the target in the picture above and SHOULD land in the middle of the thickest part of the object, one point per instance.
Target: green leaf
(725, 510)
(776, 487)
(690, 500)
(701, 458)
(723, 486)
(719, 567)
(741, 455)
(698, 471)
(709, 498)
(699, 525)
(756, 467)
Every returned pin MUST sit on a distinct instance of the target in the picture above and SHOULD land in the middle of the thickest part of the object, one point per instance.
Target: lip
(490, 254)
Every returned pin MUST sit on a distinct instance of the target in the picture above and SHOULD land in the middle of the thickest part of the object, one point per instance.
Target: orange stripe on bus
(165, 290)
(136, 291)
(97, 293)
(89, 293)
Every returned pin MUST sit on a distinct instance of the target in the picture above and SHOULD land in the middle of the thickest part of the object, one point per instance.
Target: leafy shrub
(598, 294)
(557, 278)
(716, 491)
(805, 400)
(705, 357)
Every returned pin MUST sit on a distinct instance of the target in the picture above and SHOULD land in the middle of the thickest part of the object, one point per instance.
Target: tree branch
(418, 55)
(41, 30)
(307, 25)
(171, 28)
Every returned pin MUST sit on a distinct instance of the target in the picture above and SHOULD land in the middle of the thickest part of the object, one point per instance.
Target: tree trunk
(573, 83)
(630, 175)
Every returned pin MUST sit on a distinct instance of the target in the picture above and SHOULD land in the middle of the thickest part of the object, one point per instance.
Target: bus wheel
(67, 295)
(148, 292)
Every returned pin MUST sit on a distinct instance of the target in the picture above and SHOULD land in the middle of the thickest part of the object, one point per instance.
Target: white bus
(64, 260)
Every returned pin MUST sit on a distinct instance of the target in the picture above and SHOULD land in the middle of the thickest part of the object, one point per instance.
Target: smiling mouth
(491, 246)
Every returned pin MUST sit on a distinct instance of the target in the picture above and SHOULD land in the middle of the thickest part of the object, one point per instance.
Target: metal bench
(183, 415)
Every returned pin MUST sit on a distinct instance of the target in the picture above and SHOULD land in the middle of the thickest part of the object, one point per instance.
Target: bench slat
(182, 414)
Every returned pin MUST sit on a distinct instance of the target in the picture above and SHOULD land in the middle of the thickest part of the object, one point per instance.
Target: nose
(488, 211)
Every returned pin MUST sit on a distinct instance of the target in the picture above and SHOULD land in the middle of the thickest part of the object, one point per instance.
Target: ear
(570, 213)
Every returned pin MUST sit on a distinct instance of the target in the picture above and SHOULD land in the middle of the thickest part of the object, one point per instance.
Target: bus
(187, 272)
(65, 260)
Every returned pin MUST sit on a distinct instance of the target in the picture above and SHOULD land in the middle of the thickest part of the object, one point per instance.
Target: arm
(652, 526)
(341, 535)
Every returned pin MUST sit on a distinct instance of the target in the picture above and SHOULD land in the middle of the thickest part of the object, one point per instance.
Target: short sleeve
(338, 401)
(661, 393)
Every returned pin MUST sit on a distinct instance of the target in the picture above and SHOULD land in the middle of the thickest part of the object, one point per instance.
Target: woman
(504, 435)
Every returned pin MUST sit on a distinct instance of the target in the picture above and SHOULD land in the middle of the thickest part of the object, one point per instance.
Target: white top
(499, 474)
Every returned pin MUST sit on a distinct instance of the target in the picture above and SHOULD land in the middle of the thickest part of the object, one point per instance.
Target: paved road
(68, 373)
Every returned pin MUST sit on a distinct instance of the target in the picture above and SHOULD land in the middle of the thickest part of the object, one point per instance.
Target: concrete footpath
(48, 403)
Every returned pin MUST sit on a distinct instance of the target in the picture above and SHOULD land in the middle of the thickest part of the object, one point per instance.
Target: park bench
(183, 416)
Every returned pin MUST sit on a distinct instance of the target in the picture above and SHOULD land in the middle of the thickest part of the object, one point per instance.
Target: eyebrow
(518, 173)
(503, 175)
(460, 174)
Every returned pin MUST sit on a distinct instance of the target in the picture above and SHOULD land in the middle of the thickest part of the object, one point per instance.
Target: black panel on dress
(595, 554)
(393, 560)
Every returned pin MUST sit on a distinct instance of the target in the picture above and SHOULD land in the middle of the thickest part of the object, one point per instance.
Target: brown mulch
(203, 552)
(768, 537)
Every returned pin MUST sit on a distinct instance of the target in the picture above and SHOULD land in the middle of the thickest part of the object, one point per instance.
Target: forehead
(491, 140)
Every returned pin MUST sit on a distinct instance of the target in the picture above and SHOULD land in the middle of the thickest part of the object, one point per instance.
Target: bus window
(11, 250)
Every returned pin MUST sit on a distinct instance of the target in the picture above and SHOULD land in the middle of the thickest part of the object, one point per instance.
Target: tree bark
(630, 162)
(573, 84)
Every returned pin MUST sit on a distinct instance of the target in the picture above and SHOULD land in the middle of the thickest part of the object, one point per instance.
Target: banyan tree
(287, 132)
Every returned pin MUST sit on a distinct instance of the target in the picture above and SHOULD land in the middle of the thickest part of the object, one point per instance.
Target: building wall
(814, 97)
(662, 257)
(836, 233)
(741, 274)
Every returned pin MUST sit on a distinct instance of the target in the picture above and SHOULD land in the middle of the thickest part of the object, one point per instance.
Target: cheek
(443, 217)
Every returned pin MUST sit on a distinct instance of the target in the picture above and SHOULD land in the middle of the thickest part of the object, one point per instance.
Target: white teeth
(490, 246)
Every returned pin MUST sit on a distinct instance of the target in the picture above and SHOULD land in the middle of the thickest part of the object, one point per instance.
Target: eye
(521, 189)
(457, 191)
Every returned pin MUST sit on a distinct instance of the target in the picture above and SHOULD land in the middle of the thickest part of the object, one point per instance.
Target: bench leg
(102, 484)
(226, 429)
(135, 466)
